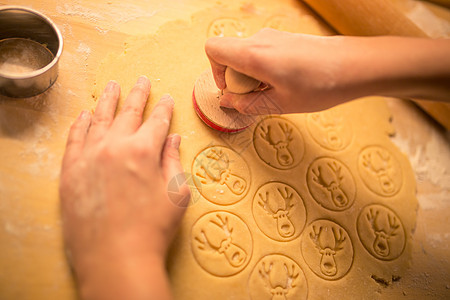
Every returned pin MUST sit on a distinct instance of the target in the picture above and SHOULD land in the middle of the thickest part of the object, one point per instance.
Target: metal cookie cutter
(30, 48)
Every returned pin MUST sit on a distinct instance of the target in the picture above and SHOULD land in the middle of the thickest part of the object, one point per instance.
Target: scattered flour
(12, 229)
(71, 93)
(438, 239)
(427, 160)
(431, 165)
(73, 9)
(101, 30)
(43, 162)
(84, 50)
(119, 12)
(67, 30)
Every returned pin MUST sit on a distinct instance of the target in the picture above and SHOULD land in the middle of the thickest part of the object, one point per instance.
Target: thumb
(177, 189)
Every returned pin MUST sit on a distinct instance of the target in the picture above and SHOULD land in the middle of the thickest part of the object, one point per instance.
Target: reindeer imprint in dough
(221, 243)
(381, 232)
(380, 171)
(331, 184)
(277, 277)
(327, 249)
(278, 143)
(330, 129)
(282, 23)
(226, 27)
(279, 211)
(221, 175)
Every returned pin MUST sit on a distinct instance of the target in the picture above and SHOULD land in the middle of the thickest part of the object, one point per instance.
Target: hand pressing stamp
(206, 101)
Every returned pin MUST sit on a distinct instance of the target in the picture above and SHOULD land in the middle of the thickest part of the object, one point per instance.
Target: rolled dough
(294, 207)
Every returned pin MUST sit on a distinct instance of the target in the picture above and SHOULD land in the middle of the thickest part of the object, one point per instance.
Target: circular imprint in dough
(221, 175)
(221, 243)
(279, 211)
(381, 232)
(330, 129)
(277, 276)
(380, 171)
(327, 249)
(226, 27)
(331, 184)
(278, 143)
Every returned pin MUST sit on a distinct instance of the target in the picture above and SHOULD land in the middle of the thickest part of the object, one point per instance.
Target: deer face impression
(381, 243)
(331, 124)
(217, 236)
(329, 177)
(281, 146)
(327, 261)
(226, 27)
(380, 165)
(278, 287)
(278, 208)
(218, 171)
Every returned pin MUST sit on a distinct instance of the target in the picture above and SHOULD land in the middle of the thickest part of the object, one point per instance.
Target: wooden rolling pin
(376, 17)
(445, 3)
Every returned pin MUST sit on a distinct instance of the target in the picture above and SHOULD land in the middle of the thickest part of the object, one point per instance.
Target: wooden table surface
(33, 133)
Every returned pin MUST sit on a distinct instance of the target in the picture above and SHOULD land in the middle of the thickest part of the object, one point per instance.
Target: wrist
(124, 276)
(401, 67)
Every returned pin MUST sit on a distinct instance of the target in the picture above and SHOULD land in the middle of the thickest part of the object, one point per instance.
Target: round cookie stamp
(277, 276)
(226, 27)
(278, 143)
(330, 129)
(327, 249)
(221, 243)
(279, 211)
(331, 184)
(205, 99)
(381, 232)
(221, 175)
(380, 171)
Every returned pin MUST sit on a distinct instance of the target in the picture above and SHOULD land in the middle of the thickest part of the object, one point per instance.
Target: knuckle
(101, 120)
(160, 119)
(212, 46)
(140, 91)
(106, 152)
(252, 54)
(132, 110)
(172, 153)
(143, 150)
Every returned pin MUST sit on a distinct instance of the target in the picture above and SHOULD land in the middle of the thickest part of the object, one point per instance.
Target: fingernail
(110, 86)
(175, 141)
(144, 81)
(166, 97)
